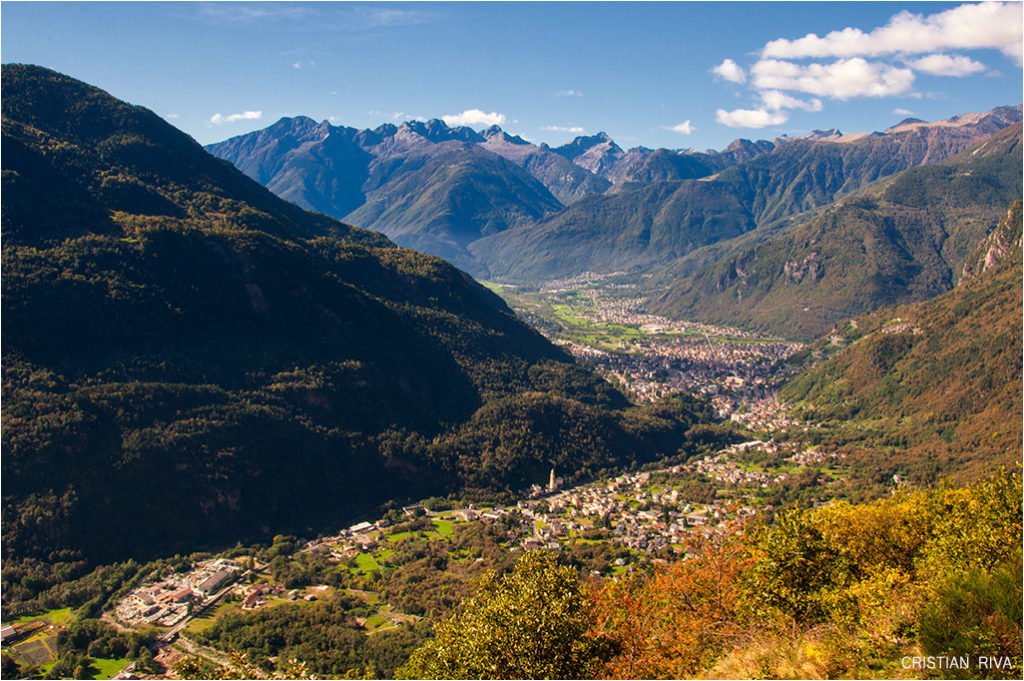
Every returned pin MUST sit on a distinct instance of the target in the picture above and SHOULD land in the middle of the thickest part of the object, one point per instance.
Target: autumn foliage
(678, 620)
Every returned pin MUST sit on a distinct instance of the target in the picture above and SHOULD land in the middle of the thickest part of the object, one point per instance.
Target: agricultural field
(604, 316)
(36, 641)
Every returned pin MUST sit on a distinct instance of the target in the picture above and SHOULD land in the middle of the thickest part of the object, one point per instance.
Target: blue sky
(655, 74)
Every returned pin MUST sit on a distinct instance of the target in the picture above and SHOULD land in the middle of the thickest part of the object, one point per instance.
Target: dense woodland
(189, 361)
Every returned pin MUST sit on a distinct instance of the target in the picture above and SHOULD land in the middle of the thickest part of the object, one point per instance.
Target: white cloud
(397, 115)
(842, 79)
(172, 116)
(220, 119)
(903, 112)
(992, 25)
(558, 128)
(474, 117)
(684, 128)
(730, 71)
(303, 64)
(568, 93)
(773, 100)
(945, 65)
(382, 17)
(345, 17)
(249, 12)
(750, 118)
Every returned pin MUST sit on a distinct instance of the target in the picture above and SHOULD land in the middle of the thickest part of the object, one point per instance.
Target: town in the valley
(604, 325)
(644, 515)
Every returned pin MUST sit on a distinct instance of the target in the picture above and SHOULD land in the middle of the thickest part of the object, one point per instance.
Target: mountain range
(189, 359)
(905, 238)
(657, 223)
(503, 208)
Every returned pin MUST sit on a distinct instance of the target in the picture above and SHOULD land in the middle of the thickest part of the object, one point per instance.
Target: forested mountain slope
(189, 359)
(902, 241)
(654, 223)
(933, 386)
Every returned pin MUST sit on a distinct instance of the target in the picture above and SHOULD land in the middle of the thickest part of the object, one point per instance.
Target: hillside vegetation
(905, 240)
(190, 360)
(844, 591)
(931, 387)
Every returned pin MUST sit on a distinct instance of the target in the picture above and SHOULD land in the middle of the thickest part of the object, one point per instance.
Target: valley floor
(601, 321)
(383, 582)
(607, 526)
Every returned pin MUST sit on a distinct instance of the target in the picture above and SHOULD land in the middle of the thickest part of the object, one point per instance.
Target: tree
(144, 663)
(9, 668)
(977, 614)
(533, 623)
(676, 621)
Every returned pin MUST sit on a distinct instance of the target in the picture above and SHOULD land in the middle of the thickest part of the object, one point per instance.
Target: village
(170, 600)
(644, 510)
(650, 357)
(640, 515)
(647, 514)
(734, 376)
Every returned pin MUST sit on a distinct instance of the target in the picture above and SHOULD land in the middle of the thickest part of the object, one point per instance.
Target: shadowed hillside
(189, 359)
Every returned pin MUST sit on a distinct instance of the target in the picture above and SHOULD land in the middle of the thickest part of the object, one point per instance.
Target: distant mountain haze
(506, 209)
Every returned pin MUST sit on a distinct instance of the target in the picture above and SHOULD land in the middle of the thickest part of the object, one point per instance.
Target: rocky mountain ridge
(454, 192)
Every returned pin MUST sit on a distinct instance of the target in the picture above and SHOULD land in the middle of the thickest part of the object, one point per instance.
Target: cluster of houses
(257, 595)
(654, 366)
(722, 468)
(637, 513)
(764, 413)
(814, 455)
(171, 600)
(639, 517)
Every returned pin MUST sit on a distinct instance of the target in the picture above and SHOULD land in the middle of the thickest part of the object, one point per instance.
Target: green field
(202, 623)
(445, 528)
(574, 316)
(106, 667)
(368, 597)
(58, 616)
(366, 563)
